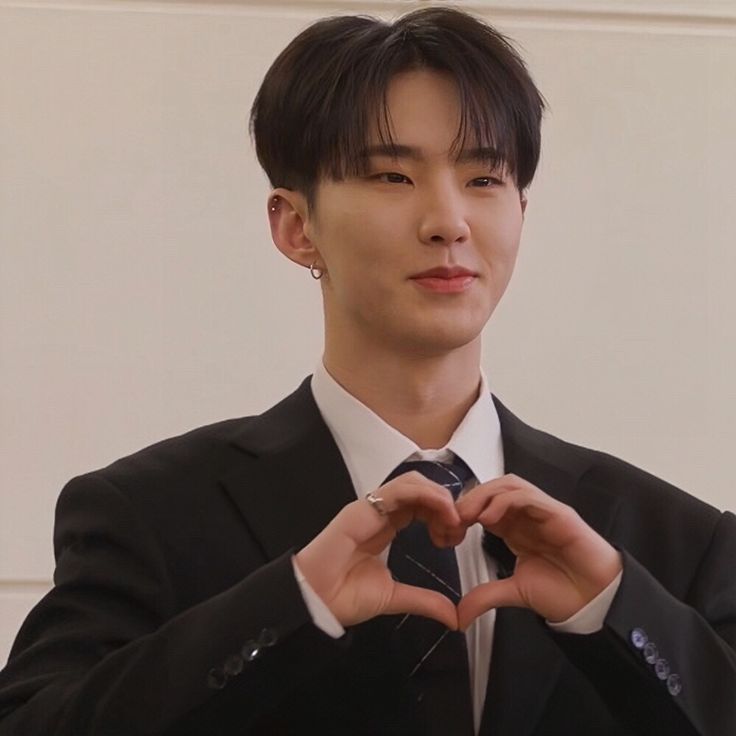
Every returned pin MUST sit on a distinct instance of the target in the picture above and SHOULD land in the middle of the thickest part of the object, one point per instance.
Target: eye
(492, 181)
(392, 174)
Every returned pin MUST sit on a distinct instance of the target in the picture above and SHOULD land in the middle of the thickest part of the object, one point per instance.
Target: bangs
(484, 128)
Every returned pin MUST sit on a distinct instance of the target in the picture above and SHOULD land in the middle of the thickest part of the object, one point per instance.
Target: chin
(436, 340)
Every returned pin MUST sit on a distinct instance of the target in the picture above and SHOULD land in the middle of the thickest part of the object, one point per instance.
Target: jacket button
(674, 686)
(250, 651)
(662, 669)
(216, 678)
(650, 653)
(267, 638)
(233, 665)
(639, 638)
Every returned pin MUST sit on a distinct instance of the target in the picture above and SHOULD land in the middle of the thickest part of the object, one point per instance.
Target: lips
(444, 272)
(445, 279)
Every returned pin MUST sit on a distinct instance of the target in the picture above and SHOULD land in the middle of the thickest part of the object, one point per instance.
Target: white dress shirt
(371, 449)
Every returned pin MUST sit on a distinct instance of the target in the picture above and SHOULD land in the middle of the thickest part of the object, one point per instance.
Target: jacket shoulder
(195, 458)
(594, 467)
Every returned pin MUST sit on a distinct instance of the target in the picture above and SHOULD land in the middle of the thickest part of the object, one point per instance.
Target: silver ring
(376, 502)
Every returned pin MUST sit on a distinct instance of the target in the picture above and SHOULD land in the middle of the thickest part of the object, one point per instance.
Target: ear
(290, 225)
(524, 200)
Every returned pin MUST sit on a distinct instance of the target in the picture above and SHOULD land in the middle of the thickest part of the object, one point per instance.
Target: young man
(247, 577)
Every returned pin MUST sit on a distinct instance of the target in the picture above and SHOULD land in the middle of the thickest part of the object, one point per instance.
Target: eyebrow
(475, 155)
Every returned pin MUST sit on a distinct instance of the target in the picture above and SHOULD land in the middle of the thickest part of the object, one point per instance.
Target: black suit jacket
(175, 609)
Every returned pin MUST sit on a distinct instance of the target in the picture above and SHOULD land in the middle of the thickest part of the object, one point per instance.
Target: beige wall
(140, 294)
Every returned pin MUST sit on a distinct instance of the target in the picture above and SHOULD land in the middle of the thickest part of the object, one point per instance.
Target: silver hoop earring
(316, 273)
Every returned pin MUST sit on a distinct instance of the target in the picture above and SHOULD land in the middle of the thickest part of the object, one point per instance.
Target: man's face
(376, 233)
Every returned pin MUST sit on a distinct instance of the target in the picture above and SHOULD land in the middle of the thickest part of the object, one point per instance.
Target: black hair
(325, 92)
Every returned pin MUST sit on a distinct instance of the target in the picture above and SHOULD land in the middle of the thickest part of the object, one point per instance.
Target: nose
(443, 219)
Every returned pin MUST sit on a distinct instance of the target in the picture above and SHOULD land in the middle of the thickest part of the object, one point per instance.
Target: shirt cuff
(591, 616)
(322, 617)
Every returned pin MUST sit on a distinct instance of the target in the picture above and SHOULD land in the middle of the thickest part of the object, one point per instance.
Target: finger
(472, 503)
(423, 602)
(476, 500)
(496, 594)
(425, 499)
(359, 526)
(444, 536)
(396, 501)
(407, 497)
(536, 506)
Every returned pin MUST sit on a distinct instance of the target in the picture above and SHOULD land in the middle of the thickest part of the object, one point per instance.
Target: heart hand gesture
(562, 563)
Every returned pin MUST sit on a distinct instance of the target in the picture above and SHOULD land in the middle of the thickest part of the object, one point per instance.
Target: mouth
(444, 272)
(445, 279)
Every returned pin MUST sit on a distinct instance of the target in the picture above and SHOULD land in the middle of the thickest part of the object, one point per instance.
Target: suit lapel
(293, 480)
(525, 662)
(290, 485)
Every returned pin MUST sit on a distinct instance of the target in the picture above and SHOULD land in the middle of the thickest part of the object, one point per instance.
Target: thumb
(496, 594)
(423, 602)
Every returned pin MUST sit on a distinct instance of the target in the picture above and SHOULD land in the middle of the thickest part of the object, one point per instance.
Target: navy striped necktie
(413, 557)
(434, 659)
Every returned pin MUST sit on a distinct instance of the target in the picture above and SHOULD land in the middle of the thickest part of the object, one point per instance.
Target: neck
(424, 398)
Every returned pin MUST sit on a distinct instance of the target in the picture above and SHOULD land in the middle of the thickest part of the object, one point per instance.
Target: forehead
(417, 99)
(420, 117)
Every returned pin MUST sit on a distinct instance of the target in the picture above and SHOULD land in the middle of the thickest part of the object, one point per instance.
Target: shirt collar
(371, 448)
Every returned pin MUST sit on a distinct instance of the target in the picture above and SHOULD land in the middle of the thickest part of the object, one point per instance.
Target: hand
(342, 564)
(562, 563)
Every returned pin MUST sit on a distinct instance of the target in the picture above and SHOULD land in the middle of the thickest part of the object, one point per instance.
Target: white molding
(24, 587)
(610, 11)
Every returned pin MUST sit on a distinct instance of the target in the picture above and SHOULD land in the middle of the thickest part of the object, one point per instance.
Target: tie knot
(452, 476)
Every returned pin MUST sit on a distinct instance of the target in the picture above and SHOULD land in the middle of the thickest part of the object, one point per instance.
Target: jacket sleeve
(107, 651)
(665, 665)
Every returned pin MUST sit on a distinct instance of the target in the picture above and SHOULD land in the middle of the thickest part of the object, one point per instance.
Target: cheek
(359, 248)
(354, 267)
(502, 244)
